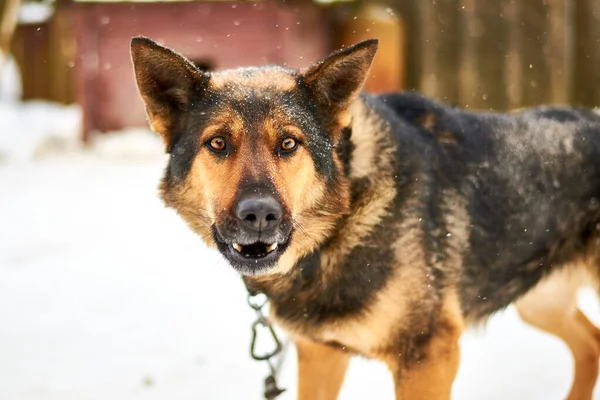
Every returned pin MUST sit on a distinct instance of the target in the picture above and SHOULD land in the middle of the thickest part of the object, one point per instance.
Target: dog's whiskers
(297, 225)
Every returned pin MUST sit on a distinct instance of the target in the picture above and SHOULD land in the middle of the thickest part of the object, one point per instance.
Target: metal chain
(272, 391)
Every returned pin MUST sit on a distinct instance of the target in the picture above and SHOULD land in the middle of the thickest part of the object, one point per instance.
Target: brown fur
(259, 79)
(432, 370)
(321, 370)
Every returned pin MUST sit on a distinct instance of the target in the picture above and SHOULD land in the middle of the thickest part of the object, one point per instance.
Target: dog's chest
(368, 331)
(365, 334)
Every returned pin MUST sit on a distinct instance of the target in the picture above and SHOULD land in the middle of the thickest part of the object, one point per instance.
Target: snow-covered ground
(105, 294)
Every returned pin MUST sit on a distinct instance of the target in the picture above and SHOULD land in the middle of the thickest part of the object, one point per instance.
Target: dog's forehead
(255, 95)
(254, 79)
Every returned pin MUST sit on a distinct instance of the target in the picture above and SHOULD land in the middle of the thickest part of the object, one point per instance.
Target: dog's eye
(288, 145)
(217, 144)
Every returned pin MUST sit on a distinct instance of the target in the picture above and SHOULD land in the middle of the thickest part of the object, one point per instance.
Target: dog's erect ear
(337, 80)
(166, 81)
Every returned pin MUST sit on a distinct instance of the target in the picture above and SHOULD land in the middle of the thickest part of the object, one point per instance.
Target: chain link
(257, 302)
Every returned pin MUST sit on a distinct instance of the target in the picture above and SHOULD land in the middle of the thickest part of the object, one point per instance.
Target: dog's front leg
(321, 370)
(429, 369)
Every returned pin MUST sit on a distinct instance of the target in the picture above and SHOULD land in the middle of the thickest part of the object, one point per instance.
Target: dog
(381, 225)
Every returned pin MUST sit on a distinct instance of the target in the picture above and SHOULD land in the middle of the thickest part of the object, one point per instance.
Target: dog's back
(531, 182)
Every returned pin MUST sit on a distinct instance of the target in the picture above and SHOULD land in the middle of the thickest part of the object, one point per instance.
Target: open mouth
(255, 250)
(254, 256)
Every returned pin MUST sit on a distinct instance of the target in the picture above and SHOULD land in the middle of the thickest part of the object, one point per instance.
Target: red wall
(224, 33)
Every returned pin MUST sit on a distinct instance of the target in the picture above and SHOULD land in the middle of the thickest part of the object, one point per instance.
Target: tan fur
(552, 307)
(427, 121)
(314, 228)
(367, 211)
(432, 376)
(159, 125)
(321, 370)
(457, 220)
(258, 78)
(193, 207)
(368, 333)
(362, 162)
(428, 378)
(446, 137)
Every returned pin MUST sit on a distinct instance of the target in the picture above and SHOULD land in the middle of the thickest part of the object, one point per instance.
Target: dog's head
(255, 168)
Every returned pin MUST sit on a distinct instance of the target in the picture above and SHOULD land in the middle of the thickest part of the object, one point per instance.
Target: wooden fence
(503, 54)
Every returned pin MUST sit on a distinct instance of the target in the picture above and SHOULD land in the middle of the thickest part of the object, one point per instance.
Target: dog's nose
(259, 213)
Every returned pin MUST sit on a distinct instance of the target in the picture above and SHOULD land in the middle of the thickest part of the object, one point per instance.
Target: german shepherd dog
(381, 226)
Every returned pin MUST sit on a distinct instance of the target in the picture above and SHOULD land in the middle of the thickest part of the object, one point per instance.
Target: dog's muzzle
(257, 236)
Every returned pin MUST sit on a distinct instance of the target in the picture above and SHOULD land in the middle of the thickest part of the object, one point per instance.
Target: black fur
(522, 223)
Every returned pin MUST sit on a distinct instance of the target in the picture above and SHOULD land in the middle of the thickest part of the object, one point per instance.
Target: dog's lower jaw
(283, 265)
(244, 270)
(249, 266)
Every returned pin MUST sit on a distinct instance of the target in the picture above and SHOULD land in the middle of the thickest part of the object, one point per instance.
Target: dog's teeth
(272, 247)
(237, 247)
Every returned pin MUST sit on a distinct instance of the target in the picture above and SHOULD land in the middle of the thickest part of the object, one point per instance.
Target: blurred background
(498, 54)
(106, 294)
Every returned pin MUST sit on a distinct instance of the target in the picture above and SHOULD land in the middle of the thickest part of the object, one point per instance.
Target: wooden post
(413, 42)
(483, 49)
(440, 49)
(560, 56)
(586, 90)
(8, 23)
(544, 49)
(513, 74)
